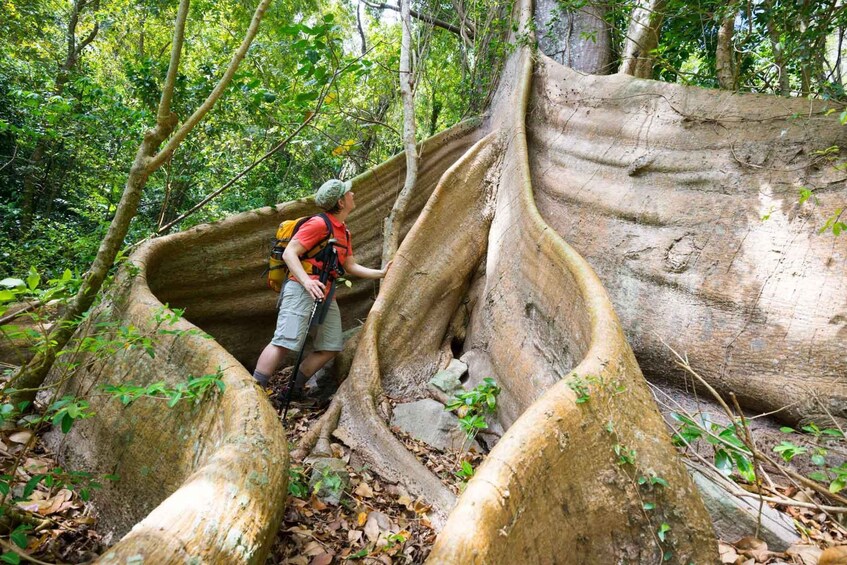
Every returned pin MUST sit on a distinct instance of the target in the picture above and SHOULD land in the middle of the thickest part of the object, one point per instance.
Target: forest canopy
(80, 82)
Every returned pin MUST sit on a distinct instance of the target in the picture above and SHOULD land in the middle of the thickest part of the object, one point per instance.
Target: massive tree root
(687, 203)
(585, 472)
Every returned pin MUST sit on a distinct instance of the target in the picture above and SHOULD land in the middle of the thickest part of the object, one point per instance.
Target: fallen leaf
(753, 548)
(322, 559)
(317, 503)
(364, 490)
(313, 548)
(21, 437)
(354, 536)
(804, 554)
(727, 553)
(362, 518)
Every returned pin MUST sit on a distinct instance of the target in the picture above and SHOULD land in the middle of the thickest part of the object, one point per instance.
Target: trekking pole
(289, 390)
(328, 266)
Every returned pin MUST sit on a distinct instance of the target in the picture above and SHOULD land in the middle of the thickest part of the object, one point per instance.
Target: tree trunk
(580, 39)
(660, 188)
(642, 38)
(725, 66)
(391, 235)
(778, 51)
(147, 160)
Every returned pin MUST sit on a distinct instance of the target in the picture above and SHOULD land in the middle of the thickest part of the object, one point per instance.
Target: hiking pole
(289, 390)
(318, 301)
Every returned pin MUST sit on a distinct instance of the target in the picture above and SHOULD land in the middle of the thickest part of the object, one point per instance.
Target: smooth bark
(391, 237)
(642, 38)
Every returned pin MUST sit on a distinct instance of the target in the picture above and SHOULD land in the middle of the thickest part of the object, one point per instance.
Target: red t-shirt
(313, 231)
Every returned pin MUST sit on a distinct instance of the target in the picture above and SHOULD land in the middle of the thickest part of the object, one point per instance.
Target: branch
(9, 162)
(89, 38)
(198, 114)
(164, 112)
(423, 17)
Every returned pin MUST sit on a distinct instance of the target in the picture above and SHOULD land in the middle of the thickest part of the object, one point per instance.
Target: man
(302, 289)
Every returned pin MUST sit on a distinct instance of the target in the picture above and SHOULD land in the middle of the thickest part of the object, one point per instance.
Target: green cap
(331, 192)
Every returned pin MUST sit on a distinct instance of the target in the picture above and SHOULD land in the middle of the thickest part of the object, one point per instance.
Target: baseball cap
(331, 192)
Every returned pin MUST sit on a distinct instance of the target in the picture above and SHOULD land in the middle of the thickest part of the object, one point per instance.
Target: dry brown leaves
(58, 524)
(376, 522)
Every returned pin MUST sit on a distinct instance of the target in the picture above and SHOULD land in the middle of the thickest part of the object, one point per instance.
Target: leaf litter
(374, 522)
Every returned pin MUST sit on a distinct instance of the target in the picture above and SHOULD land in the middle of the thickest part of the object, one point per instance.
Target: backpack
(278, 271)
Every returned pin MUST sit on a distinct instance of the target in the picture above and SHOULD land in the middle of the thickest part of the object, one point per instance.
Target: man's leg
(270, 359)
(291, 327)
(315, 360)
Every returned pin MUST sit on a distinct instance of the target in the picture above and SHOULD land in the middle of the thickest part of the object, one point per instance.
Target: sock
(261, 378)
(300, 381)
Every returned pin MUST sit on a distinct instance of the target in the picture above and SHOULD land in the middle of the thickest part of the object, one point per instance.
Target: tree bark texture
(642, 38)
(660, 190)
(391, 238)
(580, 39)
(725, 66)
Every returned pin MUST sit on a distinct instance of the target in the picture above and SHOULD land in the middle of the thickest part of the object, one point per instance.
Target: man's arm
(292, 259)
(351, 267)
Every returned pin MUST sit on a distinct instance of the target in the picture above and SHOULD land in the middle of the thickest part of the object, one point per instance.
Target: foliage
(474, 405)
(98, 340)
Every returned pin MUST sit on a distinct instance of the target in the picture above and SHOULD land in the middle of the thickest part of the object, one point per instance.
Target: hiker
(301, 290)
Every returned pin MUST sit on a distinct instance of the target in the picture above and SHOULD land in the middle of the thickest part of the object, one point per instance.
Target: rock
(734, 517)
(329, 478)
(428, 421)
(449, 380)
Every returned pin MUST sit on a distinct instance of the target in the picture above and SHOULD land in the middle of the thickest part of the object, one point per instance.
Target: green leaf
(12, 283)
(818, 459)
(744, 466)
(787, 430)
(67, 423)
(663, 530)
(6, 295)
(32, 279)
(19, 536)
(838, 484)
(649, 506)
(723, 462)
(832, 432)
(818, 476)
(31, 484)
(10, 557)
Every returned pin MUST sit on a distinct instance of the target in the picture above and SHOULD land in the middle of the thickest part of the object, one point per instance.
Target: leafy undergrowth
(373, 522)
(44, 515)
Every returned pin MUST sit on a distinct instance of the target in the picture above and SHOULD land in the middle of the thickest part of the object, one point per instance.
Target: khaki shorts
(291, 324)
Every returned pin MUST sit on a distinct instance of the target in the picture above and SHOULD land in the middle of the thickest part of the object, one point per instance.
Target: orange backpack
(278, 271)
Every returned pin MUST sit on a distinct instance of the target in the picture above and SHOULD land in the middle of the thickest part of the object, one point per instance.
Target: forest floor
(351, 514)
(374, 521)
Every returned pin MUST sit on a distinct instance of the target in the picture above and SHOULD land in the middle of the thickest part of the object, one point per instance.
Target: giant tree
(576, 197)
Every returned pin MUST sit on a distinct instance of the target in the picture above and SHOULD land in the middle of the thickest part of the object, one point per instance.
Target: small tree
(148, 159)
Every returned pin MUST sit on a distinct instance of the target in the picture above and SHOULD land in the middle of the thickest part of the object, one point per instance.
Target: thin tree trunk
(724, 54)
(147, 161)
(778, 53)
(642, 38)
(391, 235)
(361, 29)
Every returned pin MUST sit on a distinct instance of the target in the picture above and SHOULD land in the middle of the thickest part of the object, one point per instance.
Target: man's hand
(315, 288)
